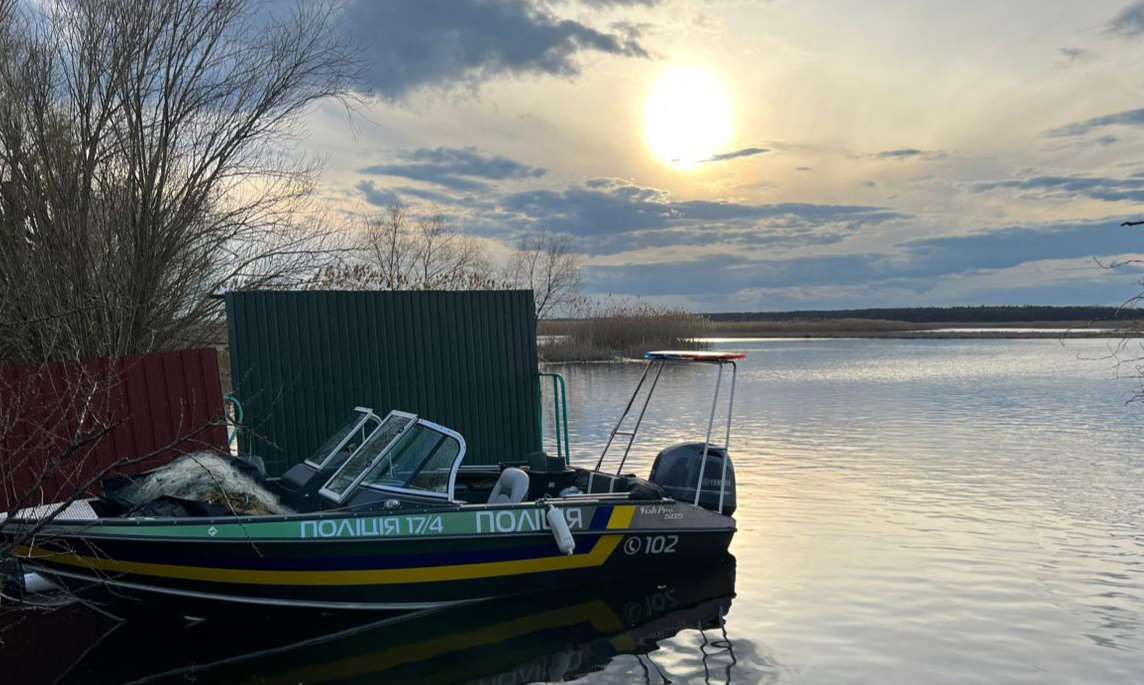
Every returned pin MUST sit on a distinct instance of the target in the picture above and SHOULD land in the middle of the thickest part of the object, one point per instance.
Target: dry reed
(619, 331)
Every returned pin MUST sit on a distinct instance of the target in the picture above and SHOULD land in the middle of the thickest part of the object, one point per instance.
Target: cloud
(428, 195)
(620, 3)
(460, 169)
(917, 265)
(774, 236)
(902, 153)
(606, 207)
(1129, 22)
(1072, 55)
(1011, 246)
(384, 197)
(736, 154)
(910, 153)
(410, 45)
(1129, 189)
(744, 243)
(379, 197)
(1132, 117)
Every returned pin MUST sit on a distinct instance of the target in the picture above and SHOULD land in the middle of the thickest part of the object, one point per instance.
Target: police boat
(385, 516)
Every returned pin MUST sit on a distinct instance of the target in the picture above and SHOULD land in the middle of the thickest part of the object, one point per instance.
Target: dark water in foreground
(910, 511)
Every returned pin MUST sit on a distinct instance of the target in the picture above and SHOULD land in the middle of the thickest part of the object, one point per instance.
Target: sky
(726, 155)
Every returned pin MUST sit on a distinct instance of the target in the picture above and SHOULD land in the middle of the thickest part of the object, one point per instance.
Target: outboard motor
(676, 470)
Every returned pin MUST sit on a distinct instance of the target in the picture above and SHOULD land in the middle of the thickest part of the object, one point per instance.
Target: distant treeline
(981, 314)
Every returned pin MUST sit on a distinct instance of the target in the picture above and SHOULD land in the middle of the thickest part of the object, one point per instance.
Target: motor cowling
(676, 470)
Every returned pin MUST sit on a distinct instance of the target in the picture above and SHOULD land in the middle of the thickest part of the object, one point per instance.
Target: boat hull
(397, 562)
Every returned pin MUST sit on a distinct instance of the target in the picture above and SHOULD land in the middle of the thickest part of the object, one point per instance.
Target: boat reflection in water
(555, 636)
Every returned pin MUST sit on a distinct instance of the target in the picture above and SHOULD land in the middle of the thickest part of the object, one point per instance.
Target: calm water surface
(913, 511)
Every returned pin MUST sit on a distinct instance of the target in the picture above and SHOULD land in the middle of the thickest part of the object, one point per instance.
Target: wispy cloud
(1098, 188)
(1132, 117)
(1129, 22)
(918, 264)
(620, 3)
(619, 207)
(1073, 55)
(905, 153)
(737, 154)
(384, 197)
(379, 197)
(463, 169)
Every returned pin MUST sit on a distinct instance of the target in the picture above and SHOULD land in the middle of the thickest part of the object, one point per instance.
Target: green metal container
(300, 362)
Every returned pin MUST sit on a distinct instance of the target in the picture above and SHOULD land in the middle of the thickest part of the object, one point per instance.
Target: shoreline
(905, 330)
(558, 340)
(928, 335)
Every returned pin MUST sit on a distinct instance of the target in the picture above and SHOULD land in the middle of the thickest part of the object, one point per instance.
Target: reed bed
(813, 327)
(621, 331)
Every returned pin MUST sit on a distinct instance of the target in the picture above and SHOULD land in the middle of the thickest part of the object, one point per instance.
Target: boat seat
(511, 487)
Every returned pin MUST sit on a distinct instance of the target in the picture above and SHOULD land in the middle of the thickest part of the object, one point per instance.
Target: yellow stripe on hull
(621, 517)
(596, 613)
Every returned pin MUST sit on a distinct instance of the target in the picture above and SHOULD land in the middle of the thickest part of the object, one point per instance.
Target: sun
(687, 117)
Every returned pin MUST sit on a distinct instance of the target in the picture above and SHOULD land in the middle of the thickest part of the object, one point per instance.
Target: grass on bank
(620, 331)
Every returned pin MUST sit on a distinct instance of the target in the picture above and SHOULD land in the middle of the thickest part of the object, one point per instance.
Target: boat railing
(559, 414)
(641, 397)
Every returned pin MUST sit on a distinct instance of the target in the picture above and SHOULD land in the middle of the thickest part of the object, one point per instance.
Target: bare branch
(145, 165)
(546, 264)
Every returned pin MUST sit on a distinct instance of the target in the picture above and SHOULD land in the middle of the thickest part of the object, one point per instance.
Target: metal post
(540, 410)
(556, 416)
(559, 414)
(564, 419)
(639, 419)
(623, 416)
(707, 441)
(727, 438)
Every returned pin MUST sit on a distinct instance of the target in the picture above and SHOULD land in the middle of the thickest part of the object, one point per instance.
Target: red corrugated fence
(63, 424)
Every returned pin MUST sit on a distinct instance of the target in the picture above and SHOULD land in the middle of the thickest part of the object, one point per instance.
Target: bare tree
(1128, 350)
(144, 165)
(445, 257)
(398, 250)
(545, 263)
(388, 247)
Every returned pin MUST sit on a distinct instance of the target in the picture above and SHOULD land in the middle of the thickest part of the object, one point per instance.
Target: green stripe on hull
(517, 520)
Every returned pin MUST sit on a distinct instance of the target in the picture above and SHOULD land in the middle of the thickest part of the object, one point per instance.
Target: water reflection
(553, 637)
(923, 511)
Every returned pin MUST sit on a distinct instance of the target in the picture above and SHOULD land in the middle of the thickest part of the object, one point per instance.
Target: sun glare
(687, 117)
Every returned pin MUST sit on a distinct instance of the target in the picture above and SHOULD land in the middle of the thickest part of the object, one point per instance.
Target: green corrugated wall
(300, 362)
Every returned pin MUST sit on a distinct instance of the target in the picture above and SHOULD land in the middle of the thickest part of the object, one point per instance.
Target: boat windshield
(346, 439)
(347, 477)
(423, 461)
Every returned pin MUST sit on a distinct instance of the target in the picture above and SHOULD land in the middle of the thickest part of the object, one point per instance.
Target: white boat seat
(511, 487)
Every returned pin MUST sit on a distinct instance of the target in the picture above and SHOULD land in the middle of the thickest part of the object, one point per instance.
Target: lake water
(914, 511)
(910, 511)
